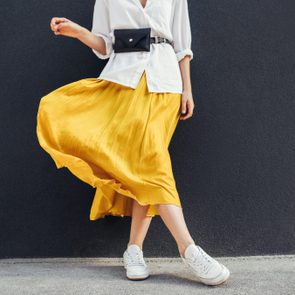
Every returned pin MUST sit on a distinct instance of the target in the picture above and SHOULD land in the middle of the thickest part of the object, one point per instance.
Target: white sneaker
(136, 268)
(208, 270)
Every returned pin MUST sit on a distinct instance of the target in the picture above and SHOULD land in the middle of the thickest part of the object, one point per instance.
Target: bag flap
(131, 37)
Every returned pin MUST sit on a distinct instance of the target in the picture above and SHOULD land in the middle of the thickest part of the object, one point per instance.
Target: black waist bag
(128, 40)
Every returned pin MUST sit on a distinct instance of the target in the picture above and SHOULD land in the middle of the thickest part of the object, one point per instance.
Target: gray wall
(233, 160)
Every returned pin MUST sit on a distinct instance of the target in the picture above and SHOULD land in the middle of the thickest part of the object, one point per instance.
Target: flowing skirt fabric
(114, 138)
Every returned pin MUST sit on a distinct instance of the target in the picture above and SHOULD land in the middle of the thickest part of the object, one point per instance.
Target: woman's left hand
(187, 105)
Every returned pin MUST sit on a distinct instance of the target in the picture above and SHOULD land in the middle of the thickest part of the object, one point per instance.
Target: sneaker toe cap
(215, 270)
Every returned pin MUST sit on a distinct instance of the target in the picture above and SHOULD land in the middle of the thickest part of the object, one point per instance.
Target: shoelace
(203, 261)
(136, 259)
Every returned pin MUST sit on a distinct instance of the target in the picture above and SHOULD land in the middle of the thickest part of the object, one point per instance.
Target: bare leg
(139, 224)
(173, 218)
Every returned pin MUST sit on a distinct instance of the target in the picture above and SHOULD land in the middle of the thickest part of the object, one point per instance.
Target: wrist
(81, 31)
(187, 90)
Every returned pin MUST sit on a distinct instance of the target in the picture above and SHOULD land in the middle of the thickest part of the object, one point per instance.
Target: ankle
(182, 247)
(135, 243)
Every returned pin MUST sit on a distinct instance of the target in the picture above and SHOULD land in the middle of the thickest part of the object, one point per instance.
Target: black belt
(158, 39)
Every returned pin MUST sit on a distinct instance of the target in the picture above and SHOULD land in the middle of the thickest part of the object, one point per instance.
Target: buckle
(156, 39)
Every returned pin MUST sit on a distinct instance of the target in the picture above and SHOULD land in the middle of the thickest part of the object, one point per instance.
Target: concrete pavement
(249, 275)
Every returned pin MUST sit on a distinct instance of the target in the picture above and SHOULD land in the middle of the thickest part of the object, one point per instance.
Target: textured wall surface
(233, 160)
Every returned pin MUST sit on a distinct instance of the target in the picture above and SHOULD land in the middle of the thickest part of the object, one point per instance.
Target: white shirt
(166, 18)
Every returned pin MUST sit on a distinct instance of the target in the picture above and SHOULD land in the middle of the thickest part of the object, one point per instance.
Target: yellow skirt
(114, 138)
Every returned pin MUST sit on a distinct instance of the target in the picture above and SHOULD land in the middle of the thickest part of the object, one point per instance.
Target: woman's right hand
(65, 27)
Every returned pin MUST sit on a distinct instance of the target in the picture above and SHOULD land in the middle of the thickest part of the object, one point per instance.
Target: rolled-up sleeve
(181, 30)
(101, 27)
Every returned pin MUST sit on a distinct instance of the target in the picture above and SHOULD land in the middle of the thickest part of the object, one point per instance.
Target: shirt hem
(134, 87)
(116, 81)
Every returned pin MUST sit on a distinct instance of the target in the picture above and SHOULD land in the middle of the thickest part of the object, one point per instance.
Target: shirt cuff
(109, 47)
(181, 54)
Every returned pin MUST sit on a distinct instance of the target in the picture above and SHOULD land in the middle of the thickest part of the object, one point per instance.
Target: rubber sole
(137, 279)
(220, 279)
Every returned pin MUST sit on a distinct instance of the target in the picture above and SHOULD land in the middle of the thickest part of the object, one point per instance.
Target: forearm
(184, 65)
(91, 40)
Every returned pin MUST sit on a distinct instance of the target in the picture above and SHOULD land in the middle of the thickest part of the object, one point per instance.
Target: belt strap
(158, 39)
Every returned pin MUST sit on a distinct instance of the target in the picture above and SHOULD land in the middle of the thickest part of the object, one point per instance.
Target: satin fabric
(114, 138)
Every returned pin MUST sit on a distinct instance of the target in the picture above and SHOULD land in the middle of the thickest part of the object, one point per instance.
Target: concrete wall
(233, 161)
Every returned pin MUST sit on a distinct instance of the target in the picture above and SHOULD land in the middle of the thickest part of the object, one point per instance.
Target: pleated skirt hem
(106, 189)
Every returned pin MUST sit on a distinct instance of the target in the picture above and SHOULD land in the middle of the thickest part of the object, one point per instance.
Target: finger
(188, 115)
(183, 107)
(65, 19)
(53, 27)
(61, 26)
(54, 20)
(53, 24)
(62, 20)
(57, 20)
(189, 111)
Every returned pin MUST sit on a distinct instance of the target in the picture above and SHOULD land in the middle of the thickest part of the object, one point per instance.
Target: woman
(113, 131)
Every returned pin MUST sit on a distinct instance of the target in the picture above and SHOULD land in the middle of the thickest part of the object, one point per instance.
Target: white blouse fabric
(166, 18)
